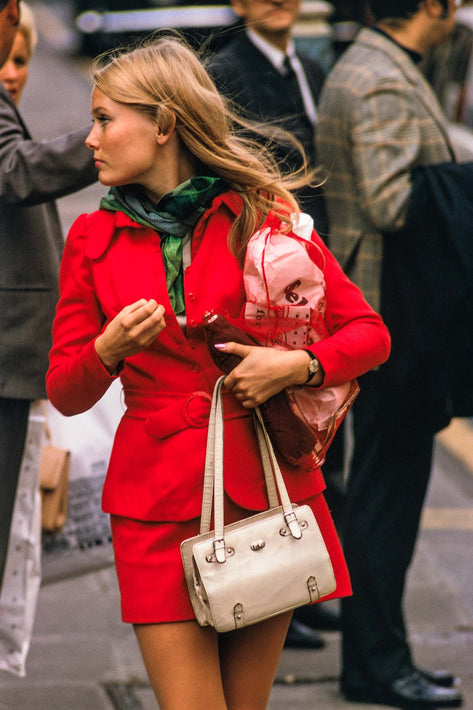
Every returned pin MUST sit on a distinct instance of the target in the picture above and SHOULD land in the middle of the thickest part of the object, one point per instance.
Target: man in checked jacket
(378, 122)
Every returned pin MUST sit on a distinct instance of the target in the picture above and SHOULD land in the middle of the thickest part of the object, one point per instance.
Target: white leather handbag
(261, 566)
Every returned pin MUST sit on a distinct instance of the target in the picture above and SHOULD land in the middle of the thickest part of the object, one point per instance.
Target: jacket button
(192, 323)
(196, 368)
(191, 297)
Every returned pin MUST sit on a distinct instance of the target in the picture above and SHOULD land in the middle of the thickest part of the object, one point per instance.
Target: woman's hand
(264, 372)
(132, 330)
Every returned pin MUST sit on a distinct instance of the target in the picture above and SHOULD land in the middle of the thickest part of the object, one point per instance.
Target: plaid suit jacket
(378, 119)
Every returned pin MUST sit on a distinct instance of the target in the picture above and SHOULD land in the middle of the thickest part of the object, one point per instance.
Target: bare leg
(183, 665)
(249, 660)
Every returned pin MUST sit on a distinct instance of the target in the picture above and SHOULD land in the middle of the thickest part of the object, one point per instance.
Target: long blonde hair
(165, 79)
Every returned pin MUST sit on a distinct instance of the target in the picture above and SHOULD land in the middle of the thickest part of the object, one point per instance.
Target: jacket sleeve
(32, 172)
(359, 340)
(76, 378)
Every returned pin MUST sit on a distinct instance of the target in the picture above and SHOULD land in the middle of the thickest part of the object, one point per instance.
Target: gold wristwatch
(313, 366)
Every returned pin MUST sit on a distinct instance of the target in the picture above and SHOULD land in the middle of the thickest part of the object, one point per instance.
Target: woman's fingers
(263, 372)
(132, 330)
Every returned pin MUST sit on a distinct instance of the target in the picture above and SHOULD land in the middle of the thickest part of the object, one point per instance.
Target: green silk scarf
(173, 216)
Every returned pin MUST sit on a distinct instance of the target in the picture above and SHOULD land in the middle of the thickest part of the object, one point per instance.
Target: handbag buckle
(219, 549)
(284, 532)
(293, 524)
(229, 552)
(238, 616)
(313, 588)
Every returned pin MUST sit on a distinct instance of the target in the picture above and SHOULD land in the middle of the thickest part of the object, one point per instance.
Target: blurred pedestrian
(263, 73)
(379, 124)
(14, 73)
(32, 175)
(9, 19)
(137, 276)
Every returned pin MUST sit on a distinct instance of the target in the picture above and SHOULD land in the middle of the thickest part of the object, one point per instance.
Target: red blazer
(157, 462)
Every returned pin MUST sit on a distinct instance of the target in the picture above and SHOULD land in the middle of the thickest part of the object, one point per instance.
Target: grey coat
(32, 175)
(378, 119)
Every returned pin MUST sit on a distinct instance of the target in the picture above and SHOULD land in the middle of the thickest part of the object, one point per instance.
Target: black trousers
(394, 424)
(13, 425)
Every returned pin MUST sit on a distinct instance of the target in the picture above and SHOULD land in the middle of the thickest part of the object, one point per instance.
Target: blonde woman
(167, 245)
(14, 72)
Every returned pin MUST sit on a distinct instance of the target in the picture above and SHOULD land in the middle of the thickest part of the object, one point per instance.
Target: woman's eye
(102, 120)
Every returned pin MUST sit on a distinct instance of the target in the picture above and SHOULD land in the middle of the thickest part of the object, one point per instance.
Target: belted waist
(168, 413)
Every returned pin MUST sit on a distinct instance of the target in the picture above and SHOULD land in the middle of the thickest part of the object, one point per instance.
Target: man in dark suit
(32, 175)
(263, 74)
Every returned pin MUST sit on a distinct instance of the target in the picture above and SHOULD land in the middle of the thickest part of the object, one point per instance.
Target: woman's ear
(166, 122)
(162, 138)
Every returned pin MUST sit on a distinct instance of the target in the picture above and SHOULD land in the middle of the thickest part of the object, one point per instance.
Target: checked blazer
(378, 119)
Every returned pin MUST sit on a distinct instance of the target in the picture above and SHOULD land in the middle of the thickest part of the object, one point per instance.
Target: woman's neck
(176, 165)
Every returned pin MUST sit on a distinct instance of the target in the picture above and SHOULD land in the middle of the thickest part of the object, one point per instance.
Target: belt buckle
(201, 419)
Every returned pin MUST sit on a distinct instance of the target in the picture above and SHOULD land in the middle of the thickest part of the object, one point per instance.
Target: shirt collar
(273, 54)
(415, 56)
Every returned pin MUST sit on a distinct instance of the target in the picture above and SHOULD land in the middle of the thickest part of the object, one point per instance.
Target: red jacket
(157, 463)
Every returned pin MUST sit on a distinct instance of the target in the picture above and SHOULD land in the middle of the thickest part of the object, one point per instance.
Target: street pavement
(83, 658)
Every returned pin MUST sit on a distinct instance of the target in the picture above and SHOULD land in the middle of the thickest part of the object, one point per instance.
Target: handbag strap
(213, 476)
(266, 448)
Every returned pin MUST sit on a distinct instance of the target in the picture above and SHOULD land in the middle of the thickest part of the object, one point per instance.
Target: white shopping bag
(22, 574)
(84, 543)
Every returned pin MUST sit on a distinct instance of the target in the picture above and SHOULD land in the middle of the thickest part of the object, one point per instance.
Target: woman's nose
(8, 72)
(91, 141)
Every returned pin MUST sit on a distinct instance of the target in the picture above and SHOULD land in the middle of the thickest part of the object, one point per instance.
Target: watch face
(313, 366)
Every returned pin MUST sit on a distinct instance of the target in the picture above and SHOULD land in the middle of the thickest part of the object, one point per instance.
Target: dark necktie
(289, 69)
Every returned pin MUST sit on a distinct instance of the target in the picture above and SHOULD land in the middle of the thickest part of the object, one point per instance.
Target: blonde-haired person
(166, 245)
(14, 72)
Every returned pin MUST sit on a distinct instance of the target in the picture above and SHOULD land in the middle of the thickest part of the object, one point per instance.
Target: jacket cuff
(95, 367)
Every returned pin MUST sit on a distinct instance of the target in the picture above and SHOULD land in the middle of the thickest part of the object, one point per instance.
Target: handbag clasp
(219, 549)
(293, 524)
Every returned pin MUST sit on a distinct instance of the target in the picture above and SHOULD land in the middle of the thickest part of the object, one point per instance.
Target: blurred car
(102, 24)
(449, 68)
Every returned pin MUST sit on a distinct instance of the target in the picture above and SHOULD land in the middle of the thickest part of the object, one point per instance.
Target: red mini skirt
(149, 566)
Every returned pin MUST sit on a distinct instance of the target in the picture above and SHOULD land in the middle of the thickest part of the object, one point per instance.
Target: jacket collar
(412, 74)
(102, 224)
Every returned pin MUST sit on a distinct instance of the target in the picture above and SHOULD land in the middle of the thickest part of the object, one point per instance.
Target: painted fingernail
(220, 346)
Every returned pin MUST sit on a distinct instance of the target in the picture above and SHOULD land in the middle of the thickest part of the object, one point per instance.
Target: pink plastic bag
(285, 308)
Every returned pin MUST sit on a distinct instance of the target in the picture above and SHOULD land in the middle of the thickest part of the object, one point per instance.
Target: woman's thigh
(183, 665)
(249, 659)
(195, 668)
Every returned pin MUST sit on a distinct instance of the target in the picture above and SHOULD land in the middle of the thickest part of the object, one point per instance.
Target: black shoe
(318, 616)
(411, 692)
(301, 636)
(444, 679)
